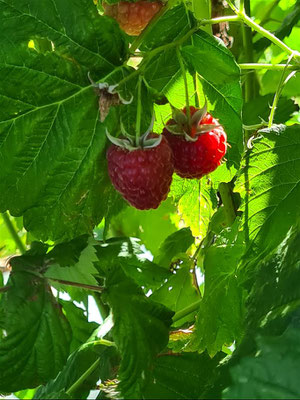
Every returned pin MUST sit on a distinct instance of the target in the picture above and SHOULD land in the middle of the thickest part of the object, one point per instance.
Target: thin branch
(81, 285)
(271, 67)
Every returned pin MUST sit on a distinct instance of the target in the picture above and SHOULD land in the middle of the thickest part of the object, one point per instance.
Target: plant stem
(77, 284)
(264, 32)
(277, 95)
(229, 207)
(137, 42)
(248, 46)
(187, 100)
(176, 43)
(271, 67)
(186, 311)
(138, 112)
(13, 232)
(83, 377)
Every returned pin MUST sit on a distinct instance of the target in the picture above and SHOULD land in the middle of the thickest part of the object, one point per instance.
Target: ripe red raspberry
(133, 17)
(194, 159)
(142, 176)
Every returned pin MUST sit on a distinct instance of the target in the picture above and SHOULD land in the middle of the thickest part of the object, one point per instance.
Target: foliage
(196, 299)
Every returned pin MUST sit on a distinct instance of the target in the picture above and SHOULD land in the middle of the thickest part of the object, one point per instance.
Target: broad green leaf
(163, 71)
(196, 200)
(38, 335)
(177, 242)
(269, 184)
(63, 265)
(220, 316)
(49, 129)
(220, 77)
(182, 376)
(141, 330)
(274, 371)
(127, 255)
(179, 291)
(174, 24)
(274, 283)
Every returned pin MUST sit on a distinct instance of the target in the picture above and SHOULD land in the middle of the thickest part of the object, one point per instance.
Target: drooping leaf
(196, 201)
(220, 316)
(269, 185)
(273, 373)
(163, 71)
(140, 331)
(89, 354)
(182, 376)
(127, 254)
(177, 242)
(274, 283)
(62, 262)
(38, 337)
(49, 129)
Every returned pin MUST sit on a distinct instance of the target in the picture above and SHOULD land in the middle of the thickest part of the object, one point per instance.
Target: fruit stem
(77, 284)
(277, 95)
(187, 100)
(138, 41)
(138, 112)
(10, 227)
(186, 311)
(248, 46)
(264, 32)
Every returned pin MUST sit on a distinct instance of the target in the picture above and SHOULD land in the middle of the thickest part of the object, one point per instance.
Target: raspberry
(194, 159)
(133, 17)
(142, 176)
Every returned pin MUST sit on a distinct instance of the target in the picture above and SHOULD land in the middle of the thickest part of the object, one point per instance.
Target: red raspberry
(142, 176)
(194, 159)
(133, 17)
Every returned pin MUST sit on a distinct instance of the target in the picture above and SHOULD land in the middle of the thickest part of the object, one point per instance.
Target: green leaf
(78, 363)
(182, 376)
(196, 200)
(163, 71)
(274, 283)
(177, 242)
(220, 77)
(51, 135)
(179, 291)
(62, 264)
(141, 330)
(220, 316)
(269, 184)
(127, 254)
(274, 371)
(38, 335)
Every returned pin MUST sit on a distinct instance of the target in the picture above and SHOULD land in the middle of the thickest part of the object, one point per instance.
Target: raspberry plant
(198, 298)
